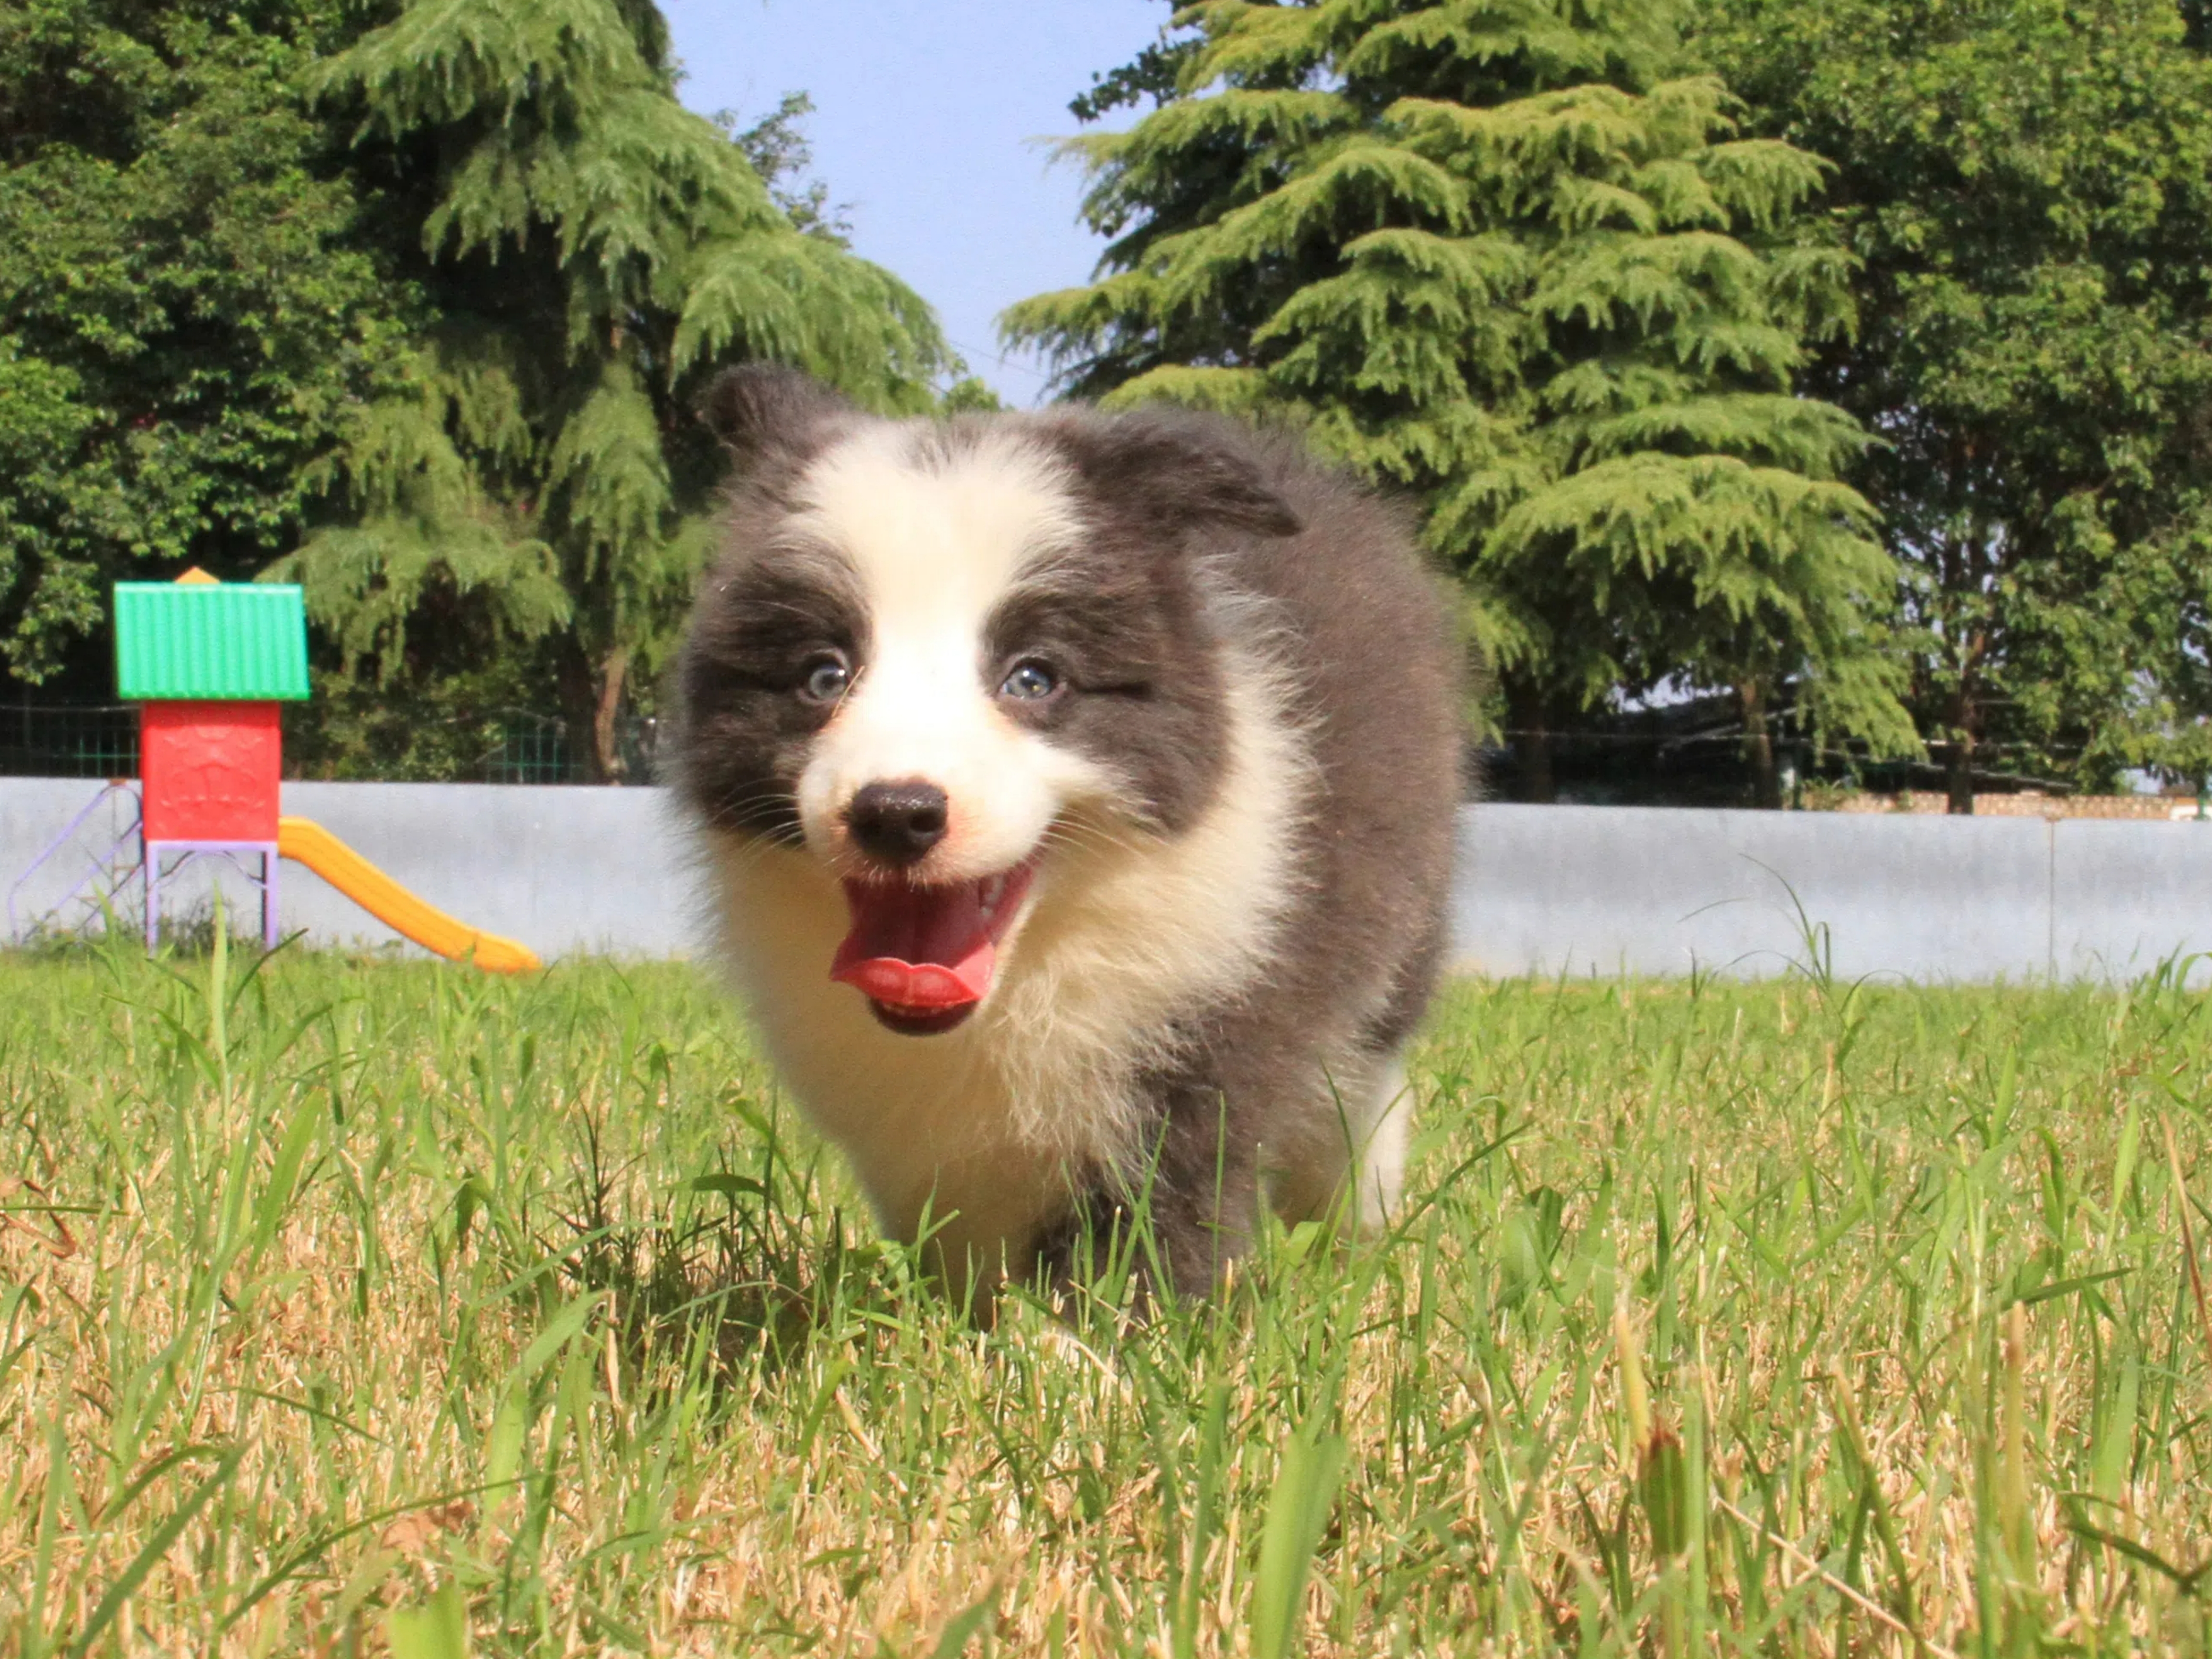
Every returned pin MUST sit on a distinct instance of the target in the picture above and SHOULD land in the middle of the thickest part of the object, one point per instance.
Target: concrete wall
(561, 869)
(1600, 890)
(1541, 889)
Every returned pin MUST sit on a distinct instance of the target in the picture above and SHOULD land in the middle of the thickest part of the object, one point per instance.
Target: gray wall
(1586, 889)
(1541, 889)
(561, 869)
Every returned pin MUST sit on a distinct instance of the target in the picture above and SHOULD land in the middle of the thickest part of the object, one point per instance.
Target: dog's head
(930, 653)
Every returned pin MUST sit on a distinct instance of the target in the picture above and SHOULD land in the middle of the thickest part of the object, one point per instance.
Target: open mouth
(924, 956)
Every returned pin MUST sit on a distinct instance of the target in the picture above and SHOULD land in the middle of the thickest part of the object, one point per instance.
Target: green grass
(365, 1307)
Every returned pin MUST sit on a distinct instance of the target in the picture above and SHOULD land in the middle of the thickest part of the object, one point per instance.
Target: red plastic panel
(211, 770)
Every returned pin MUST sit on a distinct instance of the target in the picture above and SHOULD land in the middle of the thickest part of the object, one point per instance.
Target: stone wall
(2027, 804)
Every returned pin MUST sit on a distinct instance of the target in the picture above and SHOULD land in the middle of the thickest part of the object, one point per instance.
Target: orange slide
(309, 843)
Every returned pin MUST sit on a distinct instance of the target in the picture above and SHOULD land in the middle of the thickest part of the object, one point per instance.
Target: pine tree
(587, 252)
(1507, 254)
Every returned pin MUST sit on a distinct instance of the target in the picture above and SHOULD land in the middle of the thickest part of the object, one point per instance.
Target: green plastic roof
(211, 641)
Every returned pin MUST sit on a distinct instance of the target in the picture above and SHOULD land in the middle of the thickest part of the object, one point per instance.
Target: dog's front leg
(1175, 1222)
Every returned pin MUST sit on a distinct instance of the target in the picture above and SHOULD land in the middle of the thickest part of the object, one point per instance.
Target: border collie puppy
(1078, 789)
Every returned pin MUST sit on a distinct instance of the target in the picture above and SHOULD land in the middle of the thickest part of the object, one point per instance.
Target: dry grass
(374, 1307)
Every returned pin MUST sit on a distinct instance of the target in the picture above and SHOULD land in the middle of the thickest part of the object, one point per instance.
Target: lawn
(356, 1307)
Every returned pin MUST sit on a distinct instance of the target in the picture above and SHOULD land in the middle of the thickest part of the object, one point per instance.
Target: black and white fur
(1236, 802)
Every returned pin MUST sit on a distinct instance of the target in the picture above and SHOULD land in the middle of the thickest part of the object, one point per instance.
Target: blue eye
(825, 680)
(1029, 682)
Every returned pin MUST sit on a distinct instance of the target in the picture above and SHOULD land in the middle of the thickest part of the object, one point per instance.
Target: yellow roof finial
(197, 577)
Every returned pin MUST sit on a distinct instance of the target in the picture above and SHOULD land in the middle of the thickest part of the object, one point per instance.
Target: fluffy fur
(1232, 806)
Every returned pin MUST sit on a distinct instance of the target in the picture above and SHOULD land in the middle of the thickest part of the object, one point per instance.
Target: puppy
(1078, 791)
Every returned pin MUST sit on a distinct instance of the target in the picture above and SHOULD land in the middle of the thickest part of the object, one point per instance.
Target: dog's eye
(825, 678)
(1029, 682)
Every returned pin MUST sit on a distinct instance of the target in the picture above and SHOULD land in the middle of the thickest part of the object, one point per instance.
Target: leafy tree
(1506, 253)
(184, 316)
(590, 253)
(2026, 188)
(413, 300)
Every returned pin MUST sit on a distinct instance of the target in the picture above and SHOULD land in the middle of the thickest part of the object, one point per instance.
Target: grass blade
(153, 1550)
(439, 1629)
(1298, 1514)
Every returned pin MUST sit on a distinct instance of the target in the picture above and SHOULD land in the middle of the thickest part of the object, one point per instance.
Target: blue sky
(923, 123)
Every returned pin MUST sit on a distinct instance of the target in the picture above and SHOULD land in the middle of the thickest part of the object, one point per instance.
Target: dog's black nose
(898, 823)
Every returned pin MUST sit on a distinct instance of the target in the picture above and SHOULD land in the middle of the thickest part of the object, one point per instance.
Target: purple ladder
(104, 864)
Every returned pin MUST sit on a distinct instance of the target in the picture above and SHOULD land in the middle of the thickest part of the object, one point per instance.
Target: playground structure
(209, 663)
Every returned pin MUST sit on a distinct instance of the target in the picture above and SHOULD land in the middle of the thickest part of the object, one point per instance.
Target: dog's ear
(767, 410)
(1177, 472)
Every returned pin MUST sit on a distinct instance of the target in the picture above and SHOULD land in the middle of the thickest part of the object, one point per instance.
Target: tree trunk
(1959, 781)
(614, 674)
(1532, 745)
(591, 699)
(1959, 763)
(1758, 747)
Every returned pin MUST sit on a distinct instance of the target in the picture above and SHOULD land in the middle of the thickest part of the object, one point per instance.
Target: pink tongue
(916, 947)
